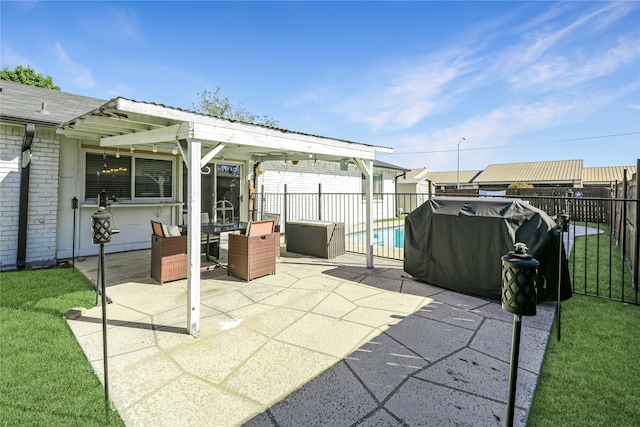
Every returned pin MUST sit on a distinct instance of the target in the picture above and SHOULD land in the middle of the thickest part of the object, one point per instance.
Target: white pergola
(200, 138)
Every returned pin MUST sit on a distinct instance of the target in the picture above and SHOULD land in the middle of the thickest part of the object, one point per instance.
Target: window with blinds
(128, 177)
(108, 173)
(153, 178)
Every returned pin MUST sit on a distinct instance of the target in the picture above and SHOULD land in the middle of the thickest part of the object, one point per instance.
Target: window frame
(132, 178)
(379, 195)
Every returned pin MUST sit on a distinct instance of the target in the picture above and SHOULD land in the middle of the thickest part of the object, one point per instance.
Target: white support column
(366, 166)
(194, 149)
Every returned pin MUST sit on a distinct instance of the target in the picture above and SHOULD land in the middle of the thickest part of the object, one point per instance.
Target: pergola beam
(210, 155)
(154, 136)
(275, 140)
(107, 123)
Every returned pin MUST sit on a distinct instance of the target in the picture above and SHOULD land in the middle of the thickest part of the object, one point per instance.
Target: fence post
(635, 261)
(319, 202)
(623, 225)
(284, 205)
(262, 201)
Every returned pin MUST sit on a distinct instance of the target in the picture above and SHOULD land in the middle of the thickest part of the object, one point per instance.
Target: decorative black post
(74, 206)
(519, 296)
(101, 232)
(562, 226)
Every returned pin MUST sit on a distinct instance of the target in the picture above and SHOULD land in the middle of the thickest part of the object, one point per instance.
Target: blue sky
(520, 81)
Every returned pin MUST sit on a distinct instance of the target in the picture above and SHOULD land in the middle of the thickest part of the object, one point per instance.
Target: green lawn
(599, 269)
(590, 376)
(45, 378)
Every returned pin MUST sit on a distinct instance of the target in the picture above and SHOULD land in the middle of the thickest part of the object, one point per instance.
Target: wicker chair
(276, 229)
(252, 255)
(168, 255)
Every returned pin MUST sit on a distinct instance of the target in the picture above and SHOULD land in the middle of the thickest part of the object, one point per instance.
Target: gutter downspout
(23, 210)
(253, 210)
(395, 178)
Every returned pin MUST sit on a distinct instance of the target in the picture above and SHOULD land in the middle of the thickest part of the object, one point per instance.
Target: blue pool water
(388, 236)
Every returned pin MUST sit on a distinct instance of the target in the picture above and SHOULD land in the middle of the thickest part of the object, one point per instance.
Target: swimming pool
(386, 236)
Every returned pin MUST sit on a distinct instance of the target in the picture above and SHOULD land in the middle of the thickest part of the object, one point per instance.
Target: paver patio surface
(320, 343)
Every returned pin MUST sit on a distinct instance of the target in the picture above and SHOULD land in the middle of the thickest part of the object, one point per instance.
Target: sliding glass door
(221, 191)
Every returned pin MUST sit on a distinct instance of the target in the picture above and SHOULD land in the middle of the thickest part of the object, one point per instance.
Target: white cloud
(560, 50)
(548, 38)
(112, 23)
(501, 126)
(526, 77)
(394, 97)
(561, 72)
(79, 75)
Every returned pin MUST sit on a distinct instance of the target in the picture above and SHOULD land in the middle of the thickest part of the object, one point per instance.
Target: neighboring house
(606, 176)
(561, 173)
(310, 176)
(416, 181)
(451, 180)
(564, 173)
(331, 178)
(57, 147)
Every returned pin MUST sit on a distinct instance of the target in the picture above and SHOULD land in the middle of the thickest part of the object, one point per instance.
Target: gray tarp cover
(458, 243)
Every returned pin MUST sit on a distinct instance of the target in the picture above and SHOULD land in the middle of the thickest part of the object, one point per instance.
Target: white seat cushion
(173, 230)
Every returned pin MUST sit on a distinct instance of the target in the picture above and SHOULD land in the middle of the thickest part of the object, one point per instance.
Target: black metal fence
(602, 241)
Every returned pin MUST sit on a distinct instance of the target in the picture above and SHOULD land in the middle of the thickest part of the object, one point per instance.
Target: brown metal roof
(417, 173)
(444, 178)
(607, 174)
(532, 172)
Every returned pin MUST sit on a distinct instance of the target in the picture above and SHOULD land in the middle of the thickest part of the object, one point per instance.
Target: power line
(517, 145)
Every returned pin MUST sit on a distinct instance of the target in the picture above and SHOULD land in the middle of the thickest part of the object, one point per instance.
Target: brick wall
(306, 175)
(43, 196)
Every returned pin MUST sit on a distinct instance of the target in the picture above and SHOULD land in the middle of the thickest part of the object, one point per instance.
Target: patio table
(214, 229)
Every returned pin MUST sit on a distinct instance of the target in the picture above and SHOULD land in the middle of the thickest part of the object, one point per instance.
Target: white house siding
(43, 196)
(306, 176)
(10, 147)
(423, 192)
(69, 180)
(342, 199)
(132, 219)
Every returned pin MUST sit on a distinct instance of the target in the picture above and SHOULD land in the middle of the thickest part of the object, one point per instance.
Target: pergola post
(366, 166)
(194, 149)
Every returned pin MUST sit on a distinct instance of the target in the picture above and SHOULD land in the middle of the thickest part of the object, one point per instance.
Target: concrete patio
(320, 343)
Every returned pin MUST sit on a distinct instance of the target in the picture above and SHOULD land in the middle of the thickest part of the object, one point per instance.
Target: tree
(212, 103)
(27, 76)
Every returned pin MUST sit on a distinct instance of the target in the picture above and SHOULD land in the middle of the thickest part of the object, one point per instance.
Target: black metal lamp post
(519, 296)
(101, 232)
(74, 206)
(562, 226)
